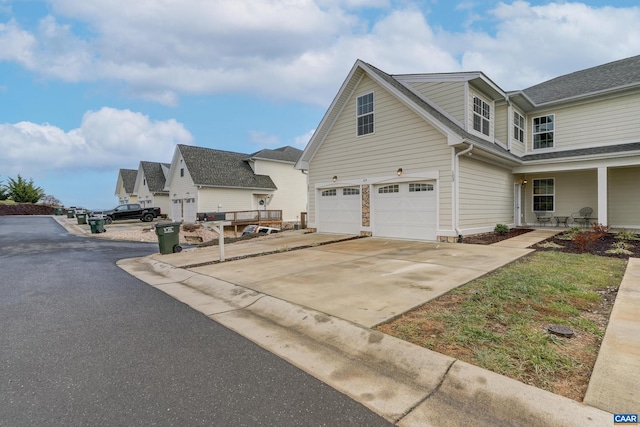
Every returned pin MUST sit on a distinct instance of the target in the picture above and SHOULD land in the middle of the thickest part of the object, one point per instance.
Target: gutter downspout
(456, 192)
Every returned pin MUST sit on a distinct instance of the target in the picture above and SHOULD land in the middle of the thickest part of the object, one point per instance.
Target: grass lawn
(499, 321)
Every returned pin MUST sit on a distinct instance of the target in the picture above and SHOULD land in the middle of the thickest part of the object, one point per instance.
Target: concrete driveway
(366, 281)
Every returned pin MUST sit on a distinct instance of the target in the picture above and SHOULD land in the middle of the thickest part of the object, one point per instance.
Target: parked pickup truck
(130, 211)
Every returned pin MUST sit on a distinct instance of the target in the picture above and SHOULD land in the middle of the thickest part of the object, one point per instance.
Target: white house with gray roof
(439, 156)
(150, 183)
(208, 180)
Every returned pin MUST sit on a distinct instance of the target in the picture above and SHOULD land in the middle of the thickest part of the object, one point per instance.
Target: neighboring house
(149, 187)
(125, 185)
(207, 180)
(439, 156)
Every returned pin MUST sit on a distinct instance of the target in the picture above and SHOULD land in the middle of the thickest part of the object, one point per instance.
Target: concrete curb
(406, 384)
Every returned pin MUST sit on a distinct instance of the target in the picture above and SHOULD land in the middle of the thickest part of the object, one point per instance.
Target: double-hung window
(543, 131)
(365, 114)
(543, 194)
(481, 115)
(518, 127)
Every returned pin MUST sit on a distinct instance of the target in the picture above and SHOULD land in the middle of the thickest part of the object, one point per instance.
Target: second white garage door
(340, 210)
(405, 211)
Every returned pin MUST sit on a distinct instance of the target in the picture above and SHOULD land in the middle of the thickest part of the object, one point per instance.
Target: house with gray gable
(149, 187)
(439, 156)
(125, 185)
(208, 180)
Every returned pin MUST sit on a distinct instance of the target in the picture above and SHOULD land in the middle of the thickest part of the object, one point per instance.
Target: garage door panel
(401, 213)
(339, 211)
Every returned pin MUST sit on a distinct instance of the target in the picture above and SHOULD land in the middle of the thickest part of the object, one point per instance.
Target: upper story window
(181, 172)
(481, 115)
(365, 114)
(543, 131)
(518, 127)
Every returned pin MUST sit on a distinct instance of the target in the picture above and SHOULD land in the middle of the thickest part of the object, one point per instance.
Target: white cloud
(301, 50)
(106, 139)
(302, 140)
(263, 139)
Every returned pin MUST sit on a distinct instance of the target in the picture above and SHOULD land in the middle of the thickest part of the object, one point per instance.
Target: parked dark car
(131, 211)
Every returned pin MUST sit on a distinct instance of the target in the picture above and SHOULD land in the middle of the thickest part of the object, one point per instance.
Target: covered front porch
(612, 192)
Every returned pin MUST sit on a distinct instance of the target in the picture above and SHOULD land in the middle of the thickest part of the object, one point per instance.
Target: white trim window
(481, 116)
(544, 194)
(413, 188)
(328, 193)
(350, 191)
(364, 114)
(518, 127)
(394, 188)
(543, 131)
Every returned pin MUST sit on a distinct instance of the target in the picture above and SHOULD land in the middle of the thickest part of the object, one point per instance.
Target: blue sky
(89, 87)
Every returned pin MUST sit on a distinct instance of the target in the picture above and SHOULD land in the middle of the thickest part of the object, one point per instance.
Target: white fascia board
(374, 180)
(579, 163)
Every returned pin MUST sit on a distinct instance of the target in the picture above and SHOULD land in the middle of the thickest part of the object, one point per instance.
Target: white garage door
(339, 210)
(405, 211)
(176, 210)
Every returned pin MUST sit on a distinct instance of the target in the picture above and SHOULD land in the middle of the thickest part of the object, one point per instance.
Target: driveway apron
(366, 281)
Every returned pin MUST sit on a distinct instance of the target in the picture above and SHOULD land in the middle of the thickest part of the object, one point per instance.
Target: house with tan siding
(440, 156)
(207, 180)
(150, 183)
(125, 185)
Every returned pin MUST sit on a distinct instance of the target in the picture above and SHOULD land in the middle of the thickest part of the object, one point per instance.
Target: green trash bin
(70, 213)
(82, 218)
(168, 237)
(97, 225)
(57, 211)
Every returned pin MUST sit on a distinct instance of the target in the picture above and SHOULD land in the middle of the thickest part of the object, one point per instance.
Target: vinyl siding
(486, 195)
(602, 122)
(449, 96)
(291, 195)
(178, 185)
(624, 197)
(573, 191)
(502, 123)
(230, 199)
(401, 140)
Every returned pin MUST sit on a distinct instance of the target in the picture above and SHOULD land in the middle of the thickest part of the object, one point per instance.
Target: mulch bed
(597, 247)
(490, 238)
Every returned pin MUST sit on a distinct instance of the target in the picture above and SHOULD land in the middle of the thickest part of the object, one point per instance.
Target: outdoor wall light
(524, 182)
(335, 178)
(399, 171)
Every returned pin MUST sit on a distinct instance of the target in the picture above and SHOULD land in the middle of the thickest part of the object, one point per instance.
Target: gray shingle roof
(154, 175)
(624, 72)
(592, 151)
(441, 117)
(216, 168)
(128, 179)
(283, 154)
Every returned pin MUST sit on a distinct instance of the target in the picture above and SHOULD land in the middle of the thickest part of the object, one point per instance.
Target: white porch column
(602, 196)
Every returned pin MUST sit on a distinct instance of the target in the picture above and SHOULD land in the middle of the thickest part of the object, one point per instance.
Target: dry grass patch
(499, 322)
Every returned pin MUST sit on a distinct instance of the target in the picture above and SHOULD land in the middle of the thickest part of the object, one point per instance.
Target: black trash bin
(168, 237)
(97, 225)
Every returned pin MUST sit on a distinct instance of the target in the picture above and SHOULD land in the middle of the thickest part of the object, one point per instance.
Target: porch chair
(542, 218)
(582, 217)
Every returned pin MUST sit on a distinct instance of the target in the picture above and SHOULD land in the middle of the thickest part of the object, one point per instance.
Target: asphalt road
(82, 343)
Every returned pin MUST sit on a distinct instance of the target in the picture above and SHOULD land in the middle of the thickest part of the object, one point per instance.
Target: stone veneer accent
(448, 239)
(366, 210)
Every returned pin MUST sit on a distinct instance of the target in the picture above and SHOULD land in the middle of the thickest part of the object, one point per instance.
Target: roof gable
(155, 175)
(128, 177)
(217, 168)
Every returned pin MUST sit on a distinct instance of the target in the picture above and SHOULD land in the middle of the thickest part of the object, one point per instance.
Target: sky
(90, 87)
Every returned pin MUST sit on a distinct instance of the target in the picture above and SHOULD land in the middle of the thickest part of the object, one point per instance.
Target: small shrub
(570, 233)
(600, 229)
(501, 229)
(626, 235)
(584, 240)
(620, 248)
(190, 226)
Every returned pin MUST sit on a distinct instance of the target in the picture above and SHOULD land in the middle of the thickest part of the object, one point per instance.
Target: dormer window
(518, 127)
(365, 114)
(481, 115)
